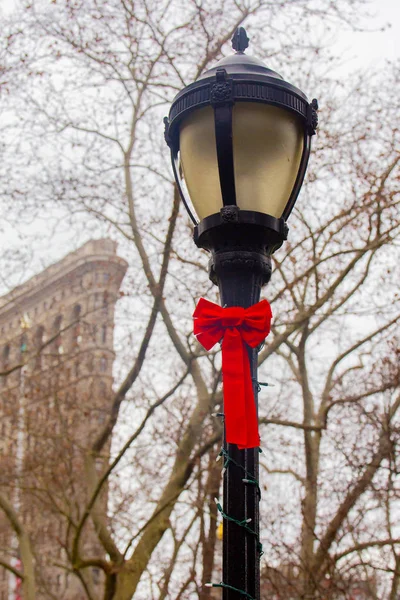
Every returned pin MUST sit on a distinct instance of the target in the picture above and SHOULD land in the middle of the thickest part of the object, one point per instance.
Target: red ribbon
(237, 326)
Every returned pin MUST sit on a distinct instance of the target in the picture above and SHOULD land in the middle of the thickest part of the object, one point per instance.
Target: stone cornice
(59, 275)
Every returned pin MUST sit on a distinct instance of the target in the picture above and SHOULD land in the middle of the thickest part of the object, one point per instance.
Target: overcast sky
(372, 47)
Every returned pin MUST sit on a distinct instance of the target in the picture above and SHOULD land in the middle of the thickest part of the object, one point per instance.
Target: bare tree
(90, 114)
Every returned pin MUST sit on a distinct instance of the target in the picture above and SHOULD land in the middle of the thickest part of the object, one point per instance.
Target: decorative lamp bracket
(166, 132)
(312, 117)
(230, 214)
(221, 91)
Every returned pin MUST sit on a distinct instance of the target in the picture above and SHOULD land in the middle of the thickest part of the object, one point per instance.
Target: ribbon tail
(253, 436)
(241, 421)
(234, 387)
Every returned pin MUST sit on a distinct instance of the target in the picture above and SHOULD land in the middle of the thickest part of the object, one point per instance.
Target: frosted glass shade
(267, 150)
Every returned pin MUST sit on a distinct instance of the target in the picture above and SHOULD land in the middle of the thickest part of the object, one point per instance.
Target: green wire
(249, 478)
(230, 587)
(243, 524)
(252, 481)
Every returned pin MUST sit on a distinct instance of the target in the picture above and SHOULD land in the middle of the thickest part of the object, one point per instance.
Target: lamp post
(240, 141)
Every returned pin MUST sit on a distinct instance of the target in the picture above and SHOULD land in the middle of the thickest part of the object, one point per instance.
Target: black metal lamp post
(240, 142)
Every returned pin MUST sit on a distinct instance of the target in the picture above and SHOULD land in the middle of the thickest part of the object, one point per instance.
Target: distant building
(56, 358)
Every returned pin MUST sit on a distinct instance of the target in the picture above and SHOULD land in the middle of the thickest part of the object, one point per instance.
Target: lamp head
(240, 141)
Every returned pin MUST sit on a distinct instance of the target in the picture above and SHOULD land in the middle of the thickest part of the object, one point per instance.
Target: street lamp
(240, 141)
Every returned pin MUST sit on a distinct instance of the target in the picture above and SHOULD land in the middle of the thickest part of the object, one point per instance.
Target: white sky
(372, 46)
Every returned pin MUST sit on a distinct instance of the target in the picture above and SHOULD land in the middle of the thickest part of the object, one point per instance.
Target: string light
(248, 476)
(247, 479)
(230, 587)
(260, 383)
(243, 523)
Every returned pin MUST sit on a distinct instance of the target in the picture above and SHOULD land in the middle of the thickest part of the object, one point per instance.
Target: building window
(104, 334)
(5, 363)
(39, 336)
(90, 363)
(38, 343)
(103, 364)
(76, 330)
(105, 303)
(56, 332)
(23, 347)
(96, 575)
(6, 355)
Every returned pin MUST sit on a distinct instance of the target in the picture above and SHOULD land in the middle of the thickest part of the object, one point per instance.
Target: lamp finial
(240, 41)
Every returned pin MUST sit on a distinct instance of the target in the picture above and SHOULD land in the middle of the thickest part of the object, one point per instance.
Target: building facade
(56, 358)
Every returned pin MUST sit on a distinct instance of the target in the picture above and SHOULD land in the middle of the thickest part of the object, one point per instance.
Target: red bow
(237, 326)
